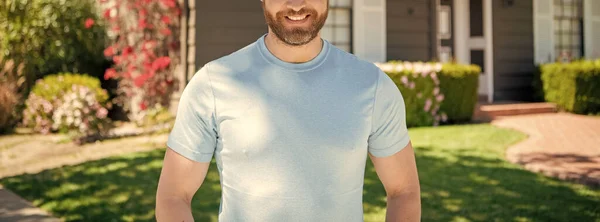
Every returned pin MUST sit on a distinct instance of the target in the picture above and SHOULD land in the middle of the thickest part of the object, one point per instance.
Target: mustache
(302, 11)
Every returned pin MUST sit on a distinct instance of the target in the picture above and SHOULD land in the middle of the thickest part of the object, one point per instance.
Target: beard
(295, 36)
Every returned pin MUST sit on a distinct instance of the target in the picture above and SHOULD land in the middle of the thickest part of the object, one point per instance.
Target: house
(507, 38)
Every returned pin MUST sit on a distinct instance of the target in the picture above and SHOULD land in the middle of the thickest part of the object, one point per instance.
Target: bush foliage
(574, 86)
(50, 36)
(67, 102)
(435, 92)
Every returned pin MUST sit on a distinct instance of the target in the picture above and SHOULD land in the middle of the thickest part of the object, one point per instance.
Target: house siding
(513, 50)
(410, 25)
(223, 27)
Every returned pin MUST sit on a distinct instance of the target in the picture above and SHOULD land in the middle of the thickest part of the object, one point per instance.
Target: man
(290, 120)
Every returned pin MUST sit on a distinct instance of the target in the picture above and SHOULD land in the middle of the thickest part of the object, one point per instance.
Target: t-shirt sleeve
(194, 133)
(389, 133)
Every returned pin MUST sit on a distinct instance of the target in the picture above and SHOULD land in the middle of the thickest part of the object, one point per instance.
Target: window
(568, 29)
(338, 27)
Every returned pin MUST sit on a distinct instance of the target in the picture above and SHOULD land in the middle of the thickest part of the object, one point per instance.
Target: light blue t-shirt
(290, 139)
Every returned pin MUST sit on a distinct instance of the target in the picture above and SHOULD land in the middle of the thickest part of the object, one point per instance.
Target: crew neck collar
(305, 66)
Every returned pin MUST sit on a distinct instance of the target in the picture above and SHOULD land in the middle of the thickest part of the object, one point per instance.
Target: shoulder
(235, 62)
(362, 69)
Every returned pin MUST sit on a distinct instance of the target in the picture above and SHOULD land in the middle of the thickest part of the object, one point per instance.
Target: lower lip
(297, 21)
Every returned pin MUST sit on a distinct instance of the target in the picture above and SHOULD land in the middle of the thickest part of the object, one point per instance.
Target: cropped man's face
(295, 22)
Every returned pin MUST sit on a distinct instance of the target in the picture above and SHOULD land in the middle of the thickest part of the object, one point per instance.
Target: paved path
(561, 145)
(15, 209)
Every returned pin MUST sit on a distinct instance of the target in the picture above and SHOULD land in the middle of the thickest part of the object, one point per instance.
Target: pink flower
(110, 73)
(101, 113)
(412, 85)
(142, 23)
(140, 80)
(143, 12)
(436, 90)
(165, 19)
(427, 105)
(433, 75)
(143, 106)
(161, 63)
(165, 31)
(168, 3)
(439, 98)
(107, 13)
(127, 50)
(89, 23)
(110, 51)
(404, 80)
(117, 59)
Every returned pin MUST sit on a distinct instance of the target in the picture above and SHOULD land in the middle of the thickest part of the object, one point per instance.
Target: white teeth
(297, 18)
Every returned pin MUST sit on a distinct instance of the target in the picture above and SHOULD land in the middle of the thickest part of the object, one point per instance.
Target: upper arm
(390, 148)
(398, 172)
(175, 180)
(192, 141)
(389, 133)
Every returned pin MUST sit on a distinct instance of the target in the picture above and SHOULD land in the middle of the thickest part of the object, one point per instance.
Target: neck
(293, 54)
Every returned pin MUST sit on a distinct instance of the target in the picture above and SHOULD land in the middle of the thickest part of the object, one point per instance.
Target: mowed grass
(462, 171)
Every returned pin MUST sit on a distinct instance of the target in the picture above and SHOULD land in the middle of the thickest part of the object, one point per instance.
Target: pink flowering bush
(420, 86)
(435, 93)
(38, 113)
(80, 112)
(66, 102)
(144, 46)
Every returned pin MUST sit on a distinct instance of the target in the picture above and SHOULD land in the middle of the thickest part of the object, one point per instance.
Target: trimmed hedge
(574, 87)
(435, 92)
(459, 83)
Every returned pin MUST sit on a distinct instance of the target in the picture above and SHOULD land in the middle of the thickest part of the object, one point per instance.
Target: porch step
(487, 112)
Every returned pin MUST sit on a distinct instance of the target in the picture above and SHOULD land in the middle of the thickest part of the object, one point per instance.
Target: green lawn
(462, 171)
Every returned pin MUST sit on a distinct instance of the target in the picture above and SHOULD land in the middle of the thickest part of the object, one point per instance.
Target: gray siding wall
(190, 43)
(224, 26)
(410, 26)
(513, 50)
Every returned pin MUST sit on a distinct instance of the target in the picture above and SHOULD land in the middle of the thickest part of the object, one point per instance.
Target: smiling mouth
(297, 18)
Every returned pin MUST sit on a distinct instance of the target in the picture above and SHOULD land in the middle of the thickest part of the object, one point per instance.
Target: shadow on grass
(113, 189)
(455, 186)
(458, 186)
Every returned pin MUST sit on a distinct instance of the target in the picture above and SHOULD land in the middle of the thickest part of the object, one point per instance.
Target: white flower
(387, 67)
(399, 68)
(77, 104)
(69, 120)
(438, 67)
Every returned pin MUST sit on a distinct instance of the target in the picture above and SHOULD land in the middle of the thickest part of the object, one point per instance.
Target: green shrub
(435, 92)
(78, 99)
(459, 83)
(575, 86)
(50, 36)
(419, 84)
(54, 86)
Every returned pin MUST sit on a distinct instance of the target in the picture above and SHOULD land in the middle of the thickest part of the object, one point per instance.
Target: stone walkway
(15, 209)
(561, 145)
